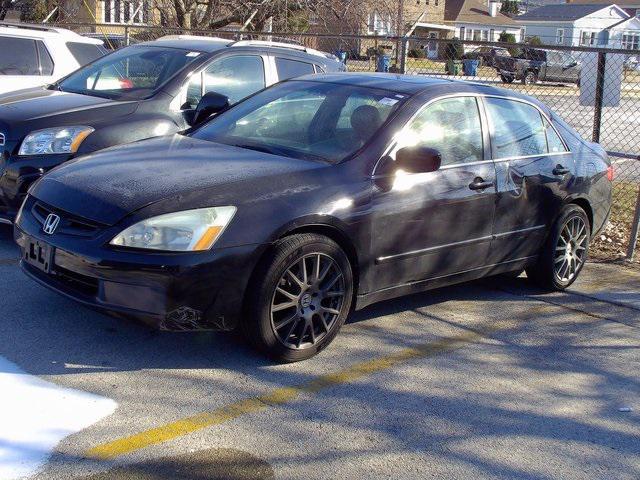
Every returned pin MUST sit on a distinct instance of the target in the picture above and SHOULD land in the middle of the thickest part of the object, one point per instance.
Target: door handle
(480, 184)
(560, 170)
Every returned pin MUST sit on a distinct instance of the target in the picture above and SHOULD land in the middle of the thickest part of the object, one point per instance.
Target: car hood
(41, 108)
(106, 186)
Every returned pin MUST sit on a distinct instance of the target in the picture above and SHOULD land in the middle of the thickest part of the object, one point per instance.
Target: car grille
(69, 224)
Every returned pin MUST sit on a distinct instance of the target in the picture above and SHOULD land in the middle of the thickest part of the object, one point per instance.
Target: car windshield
(305, 119)
(133, 73)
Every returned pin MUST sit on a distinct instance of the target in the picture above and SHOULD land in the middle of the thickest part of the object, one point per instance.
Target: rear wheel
(299, 298)
(565, 251)
(530, 78)
(506, 79)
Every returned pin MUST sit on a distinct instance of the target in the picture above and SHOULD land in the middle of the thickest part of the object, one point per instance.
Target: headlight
(54, 140)
(188, 231)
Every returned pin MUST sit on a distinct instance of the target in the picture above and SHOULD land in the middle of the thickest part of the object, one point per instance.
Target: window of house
(125, 11)
(560, 36)
(476, 34)
(451, 126)
(518, 130)
(631, 41)
(379, 24)
(588, 39)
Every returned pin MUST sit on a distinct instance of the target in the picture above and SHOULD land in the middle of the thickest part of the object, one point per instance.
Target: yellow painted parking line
(280, 396)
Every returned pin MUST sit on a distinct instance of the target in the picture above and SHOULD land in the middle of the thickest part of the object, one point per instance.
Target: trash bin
(383, 63)
(453, 67)
(470, 67)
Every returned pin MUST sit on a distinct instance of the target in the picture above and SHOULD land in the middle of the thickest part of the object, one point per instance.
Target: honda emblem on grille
(1, 139)
(51, 223)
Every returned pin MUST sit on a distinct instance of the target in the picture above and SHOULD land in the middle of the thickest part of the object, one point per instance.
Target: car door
(570, 69)
(553, 66)
(435, 224)
(533, 169)
(19, 65)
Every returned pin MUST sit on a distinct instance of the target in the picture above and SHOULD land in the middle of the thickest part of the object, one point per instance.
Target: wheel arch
(583, 203)
(337, 235)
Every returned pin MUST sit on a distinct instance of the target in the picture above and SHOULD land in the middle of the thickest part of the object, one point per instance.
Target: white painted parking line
(36, 415)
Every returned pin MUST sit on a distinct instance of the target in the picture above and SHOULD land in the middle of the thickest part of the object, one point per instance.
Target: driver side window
(451, 126)
(236, 77)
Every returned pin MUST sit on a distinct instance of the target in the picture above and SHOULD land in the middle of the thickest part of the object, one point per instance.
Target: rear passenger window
(84, 52)
(554, 142)
(18, 56)
(517, 129)
(46, 63)
(292, 68)
(451, 126)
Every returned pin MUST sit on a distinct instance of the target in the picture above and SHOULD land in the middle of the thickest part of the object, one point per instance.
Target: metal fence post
(633, 239)
(597, 111)
(403, 55)
(126, 35)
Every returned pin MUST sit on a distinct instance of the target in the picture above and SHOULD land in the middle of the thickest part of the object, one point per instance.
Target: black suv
(141, 91)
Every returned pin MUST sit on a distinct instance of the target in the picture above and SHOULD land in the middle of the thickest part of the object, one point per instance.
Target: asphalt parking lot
(493, 379)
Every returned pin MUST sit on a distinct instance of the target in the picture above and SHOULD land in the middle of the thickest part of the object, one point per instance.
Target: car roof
(414, 84)
(213, 44)
(44, 32)
(409, 84)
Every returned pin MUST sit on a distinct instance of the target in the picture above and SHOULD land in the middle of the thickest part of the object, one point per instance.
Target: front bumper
(201, 291)
(17, 174)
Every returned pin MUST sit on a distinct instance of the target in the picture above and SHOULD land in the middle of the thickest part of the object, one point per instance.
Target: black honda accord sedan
(315, 197)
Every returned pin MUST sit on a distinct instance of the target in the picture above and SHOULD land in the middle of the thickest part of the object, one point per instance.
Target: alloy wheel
(571, 249)
(307, 301)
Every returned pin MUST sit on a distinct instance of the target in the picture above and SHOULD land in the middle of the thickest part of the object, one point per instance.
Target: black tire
(259, 325)
(506, 79)
(530, 78)
(545, 271)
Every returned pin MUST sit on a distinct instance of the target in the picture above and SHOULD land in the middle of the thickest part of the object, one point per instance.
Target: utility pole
(399, 29)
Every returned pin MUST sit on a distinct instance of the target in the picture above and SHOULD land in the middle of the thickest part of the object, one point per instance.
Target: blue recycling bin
(383, 63)
(470, 67)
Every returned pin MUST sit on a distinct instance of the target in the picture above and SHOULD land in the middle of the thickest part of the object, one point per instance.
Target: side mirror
(209, 104)
(418, 159)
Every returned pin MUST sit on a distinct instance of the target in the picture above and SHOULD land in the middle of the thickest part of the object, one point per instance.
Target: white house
(479, 20)
(573, 24)
(625, 34)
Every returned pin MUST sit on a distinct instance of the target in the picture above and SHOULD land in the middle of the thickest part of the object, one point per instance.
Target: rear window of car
(18, 56)
(292, 68)
(85, 52)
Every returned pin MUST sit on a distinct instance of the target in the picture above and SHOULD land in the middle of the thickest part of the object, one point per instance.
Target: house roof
(474, 11)
(563, 12)
(620, 3)
(632, 23)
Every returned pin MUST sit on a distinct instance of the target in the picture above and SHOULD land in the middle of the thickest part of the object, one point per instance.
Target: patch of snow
(36, 415)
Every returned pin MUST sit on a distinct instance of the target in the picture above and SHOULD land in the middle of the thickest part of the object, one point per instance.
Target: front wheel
(565, 251)
(299, 297)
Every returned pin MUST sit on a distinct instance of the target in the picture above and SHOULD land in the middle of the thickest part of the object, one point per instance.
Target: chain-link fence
(595, 90)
